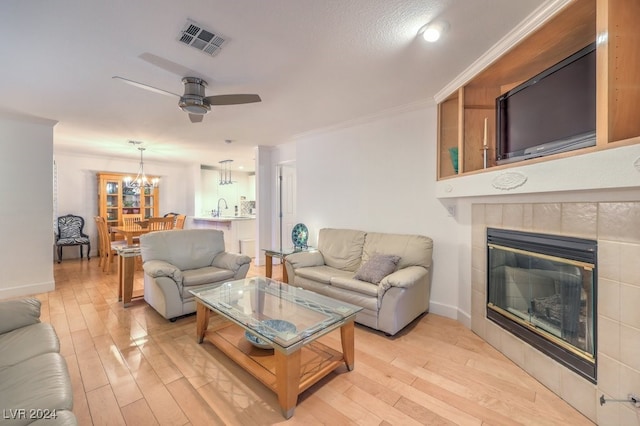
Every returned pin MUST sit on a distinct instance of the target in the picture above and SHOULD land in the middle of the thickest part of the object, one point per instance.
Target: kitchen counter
(239, 231)
(222, 218)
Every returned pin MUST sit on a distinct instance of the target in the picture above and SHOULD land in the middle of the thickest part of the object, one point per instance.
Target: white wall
(265, 181)
(380, 176)
(26, 209)
(78, 187)
(243, 186)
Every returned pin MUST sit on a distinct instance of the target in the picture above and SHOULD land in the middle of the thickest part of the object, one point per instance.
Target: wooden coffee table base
(286, 375)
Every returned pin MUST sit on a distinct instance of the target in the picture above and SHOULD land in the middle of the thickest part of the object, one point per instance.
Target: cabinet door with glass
(130, 199)
(109, 198)
(150, 202)
(115, 198)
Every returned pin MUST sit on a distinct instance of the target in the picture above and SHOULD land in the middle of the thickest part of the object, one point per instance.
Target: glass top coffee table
(265, 316)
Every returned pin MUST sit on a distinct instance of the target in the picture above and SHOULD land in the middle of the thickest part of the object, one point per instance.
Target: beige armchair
(180, 260)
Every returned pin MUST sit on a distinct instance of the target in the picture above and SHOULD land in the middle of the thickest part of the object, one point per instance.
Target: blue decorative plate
(266, 328)
(300, 235)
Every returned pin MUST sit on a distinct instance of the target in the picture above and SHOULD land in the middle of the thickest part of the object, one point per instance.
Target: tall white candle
(485, 147)
(485, 131)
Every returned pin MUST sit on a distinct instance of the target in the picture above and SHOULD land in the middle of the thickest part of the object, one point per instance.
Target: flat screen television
(555, 111)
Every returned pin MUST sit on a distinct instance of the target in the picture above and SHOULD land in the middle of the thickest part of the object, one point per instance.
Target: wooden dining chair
(129, 219)
(107, 247)
(161, 223)
(180, 221)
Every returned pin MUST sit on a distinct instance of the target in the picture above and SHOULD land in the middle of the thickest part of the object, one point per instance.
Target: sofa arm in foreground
(15, 314)
(33, 375)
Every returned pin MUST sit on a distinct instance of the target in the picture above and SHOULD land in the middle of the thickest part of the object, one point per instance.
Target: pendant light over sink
(225, 172)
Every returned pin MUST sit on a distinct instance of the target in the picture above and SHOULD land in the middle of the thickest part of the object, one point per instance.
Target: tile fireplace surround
(616, 227)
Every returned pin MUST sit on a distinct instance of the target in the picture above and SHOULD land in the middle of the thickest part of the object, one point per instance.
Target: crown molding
(26, 118)
(515, 36)
(386, 113)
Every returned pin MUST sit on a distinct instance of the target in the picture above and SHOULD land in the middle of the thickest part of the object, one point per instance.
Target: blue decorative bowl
(300, 236)
(265, 328)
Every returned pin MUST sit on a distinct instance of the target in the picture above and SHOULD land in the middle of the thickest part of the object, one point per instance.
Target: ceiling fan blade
(232, 99)
(144, 86)
(196, 118)
(170, 66)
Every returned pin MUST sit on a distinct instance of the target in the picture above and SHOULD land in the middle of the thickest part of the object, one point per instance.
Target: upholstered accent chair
(71, 233)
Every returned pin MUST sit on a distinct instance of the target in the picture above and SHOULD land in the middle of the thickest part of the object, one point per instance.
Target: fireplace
(542, 289)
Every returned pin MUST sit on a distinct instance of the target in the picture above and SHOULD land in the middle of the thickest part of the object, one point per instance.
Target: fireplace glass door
(546, 291)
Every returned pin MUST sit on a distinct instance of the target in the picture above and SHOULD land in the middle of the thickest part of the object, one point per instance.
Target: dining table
(126, 259)
(130, 231)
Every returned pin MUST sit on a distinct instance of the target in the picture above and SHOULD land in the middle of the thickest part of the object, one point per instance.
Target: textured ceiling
(315, 63)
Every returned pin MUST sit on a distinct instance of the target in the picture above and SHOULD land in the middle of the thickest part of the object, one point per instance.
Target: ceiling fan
(193, 101)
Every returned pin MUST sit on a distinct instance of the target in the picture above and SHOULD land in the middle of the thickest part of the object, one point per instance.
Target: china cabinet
(116, 199)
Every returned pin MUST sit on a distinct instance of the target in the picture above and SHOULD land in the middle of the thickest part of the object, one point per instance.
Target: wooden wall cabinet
(115, 199)
(612, 23)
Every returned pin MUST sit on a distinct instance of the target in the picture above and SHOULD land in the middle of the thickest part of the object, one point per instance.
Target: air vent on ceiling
(206, 41)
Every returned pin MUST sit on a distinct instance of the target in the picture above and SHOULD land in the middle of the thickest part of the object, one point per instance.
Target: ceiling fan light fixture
(194, 106)
(194, 86)
(193, 100)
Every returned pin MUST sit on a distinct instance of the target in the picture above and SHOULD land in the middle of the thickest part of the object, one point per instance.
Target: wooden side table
(269, 254)
(126, 267)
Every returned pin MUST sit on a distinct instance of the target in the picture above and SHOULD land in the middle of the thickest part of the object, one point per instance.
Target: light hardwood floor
(131, 366)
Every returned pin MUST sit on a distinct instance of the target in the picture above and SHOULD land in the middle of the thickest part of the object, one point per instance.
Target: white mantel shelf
(614, 168)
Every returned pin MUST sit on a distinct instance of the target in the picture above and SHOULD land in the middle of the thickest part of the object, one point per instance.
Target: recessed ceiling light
(433, 31)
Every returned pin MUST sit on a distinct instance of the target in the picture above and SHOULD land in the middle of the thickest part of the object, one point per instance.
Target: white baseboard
(464, 318)
(26, 290)
(450, 311)
(443, 310)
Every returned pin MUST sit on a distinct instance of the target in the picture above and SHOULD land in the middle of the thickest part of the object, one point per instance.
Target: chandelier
(141, 180)
(225, 172)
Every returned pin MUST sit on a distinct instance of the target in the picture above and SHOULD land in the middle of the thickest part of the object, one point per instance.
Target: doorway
(286, 175)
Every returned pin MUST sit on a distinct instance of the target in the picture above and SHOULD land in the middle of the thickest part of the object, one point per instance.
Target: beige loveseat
(386, 274)
(35, 387)
(177, 261)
